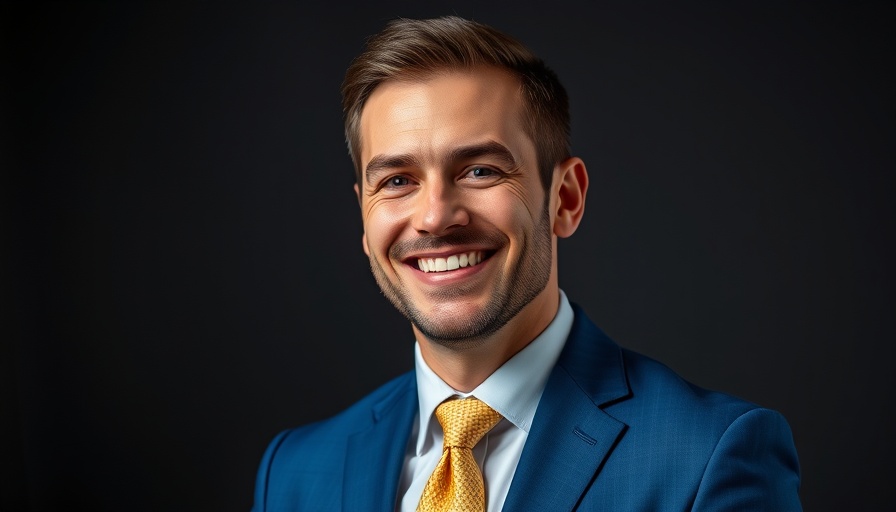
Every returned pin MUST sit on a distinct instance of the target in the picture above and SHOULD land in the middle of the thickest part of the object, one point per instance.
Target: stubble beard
(513, 291)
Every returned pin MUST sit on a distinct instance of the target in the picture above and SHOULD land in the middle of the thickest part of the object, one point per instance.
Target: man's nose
(439, 209)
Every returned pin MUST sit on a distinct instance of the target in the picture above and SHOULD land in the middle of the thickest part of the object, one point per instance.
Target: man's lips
(452, 262)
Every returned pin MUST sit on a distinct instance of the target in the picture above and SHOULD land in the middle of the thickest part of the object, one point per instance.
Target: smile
(453, 262)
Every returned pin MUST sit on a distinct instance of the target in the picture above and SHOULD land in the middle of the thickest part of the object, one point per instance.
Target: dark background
(182, 274)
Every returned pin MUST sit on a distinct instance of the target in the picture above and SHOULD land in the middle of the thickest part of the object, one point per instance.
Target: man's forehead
(452, 107)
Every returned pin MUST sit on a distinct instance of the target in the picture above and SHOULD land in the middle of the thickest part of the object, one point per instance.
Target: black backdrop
(182, 269)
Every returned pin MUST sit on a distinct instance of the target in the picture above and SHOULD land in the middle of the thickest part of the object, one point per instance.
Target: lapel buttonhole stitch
(585, 437)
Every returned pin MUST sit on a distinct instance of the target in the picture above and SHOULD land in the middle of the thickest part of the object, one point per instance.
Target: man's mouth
(453, 262)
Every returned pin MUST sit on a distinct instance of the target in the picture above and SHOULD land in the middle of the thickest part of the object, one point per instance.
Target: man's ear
(364, 236)
(571, 184)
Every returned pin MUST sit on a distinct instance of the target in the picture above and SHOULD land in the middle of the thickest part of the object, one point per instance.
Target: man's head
(461, 199)
(415, 49)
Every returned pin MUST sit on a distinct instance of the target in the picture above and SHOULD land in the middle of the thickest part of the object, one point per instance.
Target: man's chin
(455, 328)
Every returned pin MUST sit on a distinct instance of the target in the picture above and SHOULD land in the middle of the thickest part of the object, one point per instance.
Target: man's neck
(466, 368)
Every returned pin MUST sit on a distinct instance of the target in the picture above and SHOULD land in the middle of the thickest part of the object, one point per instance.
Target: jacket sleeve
(753, 467)
(264, 469)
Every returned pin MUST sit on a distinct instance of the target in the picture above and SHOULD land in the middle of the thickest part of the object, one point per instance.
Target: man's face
(456, 222)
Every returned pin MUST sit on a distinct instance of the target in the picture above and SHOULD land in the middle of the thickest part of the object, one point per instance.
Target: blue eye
(481, 172)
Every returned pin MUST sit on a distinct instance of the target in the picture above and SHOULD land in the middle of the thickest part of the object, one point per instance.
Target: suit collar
(376, 454)
(572, 436)
(594, 362)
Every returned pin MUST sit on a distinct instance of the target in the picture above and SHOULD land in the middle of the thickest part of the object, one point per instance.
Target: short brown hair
(414, 49)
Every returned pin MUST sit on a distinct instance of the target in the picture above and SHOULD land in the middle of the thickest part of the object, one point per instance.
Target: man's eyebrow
(386, 163)
(491, 149)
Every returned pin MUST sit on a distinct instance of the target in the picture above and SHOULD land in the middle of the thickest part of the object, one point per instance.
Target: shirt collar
(513, 390)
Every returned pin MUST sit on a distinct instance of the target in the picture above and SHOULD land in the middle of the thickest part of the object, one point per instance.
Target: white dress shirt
(513, 390)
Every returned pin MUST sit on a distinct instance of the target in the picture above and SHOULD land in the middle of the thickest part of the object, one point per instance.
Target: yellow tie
(456, 483)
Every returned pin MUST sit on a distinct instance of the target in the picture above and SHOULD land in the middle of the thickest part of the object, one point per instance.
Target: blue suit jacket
(614, 431)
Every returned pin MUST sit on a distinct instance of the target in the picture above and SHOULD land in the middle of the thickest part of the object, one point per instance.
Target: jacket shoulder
(312, 457)
(683, 446)
(653, 381)
(710, 446)
(325, 436)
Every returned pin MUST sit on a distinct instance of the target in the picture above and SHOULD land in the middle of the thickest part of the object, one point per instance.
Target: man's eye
(397, 181)
(481, 172)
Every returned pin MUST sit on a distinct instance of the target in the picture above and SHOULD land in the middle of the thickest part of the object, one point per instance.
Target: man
(518, 402)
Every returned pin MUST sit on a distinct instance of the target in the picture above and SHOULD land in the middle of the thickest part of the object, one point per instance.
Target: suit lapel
(571, 436)
(375, 455)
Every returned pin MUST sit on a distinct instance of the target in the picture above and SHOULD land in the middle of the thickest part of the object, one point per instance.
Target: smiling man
(451, 175)
(459, 136)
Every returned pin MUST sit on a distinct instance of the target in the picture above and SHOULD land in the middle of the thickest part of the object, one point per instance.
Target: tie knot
(465, 421)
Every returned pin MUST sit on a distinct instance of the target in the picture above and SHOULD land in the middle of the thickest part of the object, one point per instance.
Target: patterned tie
(456, 483)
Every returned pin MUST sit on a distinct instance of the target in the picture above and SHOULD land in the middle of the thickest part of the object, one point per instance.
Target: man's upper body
(459, 136)
(613, 431)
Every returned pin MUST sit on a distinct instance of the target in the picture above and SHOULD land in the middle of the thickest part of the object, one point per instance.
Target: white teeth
(453, 262)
